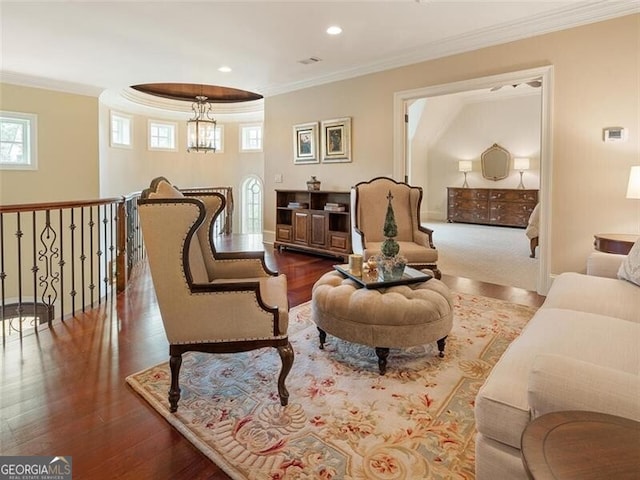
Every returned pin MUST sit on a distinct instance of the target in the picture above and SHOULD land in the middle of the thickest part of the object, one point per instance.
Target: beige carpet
(344, 421)
(497, 255)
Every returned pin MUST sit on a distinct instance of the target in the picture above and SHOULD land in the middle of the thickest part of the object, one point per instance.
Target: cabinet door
(318, 230)
(301, 227)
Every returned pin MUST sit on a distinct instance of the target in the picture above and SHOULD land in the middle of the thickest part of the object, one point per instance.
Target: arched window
(251, 211)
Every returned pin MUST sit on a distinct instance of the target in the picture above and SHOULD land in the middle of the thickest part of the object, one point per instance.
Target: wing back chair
(209, 302)
(368, 209)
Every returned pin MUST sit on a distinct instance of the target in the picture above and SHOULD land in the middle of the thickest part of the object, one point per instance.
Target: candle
(355, 264)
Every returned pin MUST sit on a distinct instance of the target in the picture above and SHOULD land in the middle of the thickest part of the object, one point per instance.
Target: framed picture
(305, 143)
(336, 140)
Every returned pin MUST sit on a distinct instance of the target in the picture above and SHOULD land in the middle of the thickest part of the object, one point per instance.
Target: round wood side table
(580, 445)
(619, 243)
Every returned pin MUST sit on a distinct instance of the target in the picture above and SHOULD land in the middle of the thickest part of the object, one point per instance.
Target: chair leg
(286, 355)
(437, 273)
(383, 354)
(533, 244)
(441, 344)
(174, 392)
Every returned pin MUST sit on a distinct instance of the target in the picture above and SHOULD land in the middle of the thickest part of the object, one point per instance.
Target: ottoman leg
(382, 354)
(323, 337)
(441, 343)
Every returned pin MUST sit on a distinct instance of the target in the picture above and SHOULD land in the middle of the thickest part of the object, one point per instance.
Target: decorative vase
(391, 270)
(313, 184)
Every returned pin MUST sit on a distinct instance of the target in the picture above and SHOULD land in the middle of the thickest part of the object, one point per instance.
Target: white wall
(125, 170)
(477, 123)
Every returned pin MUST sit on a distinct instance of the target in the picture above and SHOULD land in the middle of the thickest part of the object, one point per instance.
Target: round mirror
(495, 162)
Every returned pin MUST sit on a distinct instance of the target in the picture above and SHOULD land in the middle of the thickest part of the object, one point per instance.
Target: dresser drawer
(468, 194)
(467, 205)
(510, 214)
(468, 216)
(519, 196)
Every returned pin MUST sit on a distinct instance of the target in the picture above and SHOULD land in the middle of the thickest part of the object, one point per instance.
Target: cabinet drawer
(339, 241)
(284, 233)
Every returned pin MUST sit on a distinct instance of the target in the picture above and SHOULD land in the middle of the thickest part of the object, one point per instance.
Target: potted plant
(390, 263)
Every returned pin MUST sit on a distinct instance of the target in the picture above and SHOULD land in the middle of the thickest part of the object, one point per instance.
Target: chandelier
(201, 129)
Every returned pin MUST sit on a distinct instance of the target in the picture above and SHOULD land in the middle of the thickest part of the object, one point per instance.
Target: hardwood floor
(63, 390)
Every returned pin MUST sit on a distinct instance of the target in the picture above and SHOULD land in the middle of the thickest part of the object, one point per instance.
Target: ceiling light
(201, 129)
(334, 30)
(224, 69)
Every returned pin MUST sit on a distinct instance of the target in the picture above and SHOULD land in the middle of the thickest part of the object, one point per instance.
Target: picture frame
(305, 143)
(336, 140)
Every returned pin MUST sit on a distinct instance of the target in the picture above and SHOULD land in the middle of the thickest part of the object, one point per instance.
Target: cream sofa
(580, 351)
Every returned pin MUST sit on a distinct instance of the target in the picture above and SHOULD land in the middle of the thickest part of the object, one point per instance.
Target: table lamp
(465, 166)
(521, 164)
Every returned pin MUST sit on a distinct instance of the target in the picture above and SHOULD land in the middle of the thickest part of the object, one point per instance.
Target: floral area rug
(344, 421)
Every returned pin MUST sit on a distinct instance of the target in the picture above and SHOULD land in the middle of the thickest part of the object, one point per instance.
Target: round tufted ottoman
(394, 317)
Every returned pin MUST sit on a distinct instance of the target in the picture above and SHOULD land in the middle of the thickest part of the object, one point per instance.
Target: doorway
(402, 153)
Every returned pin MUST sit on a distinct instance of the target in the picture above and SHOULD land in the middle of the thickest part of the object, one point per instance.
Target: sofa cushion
(502, 408)
(630, 268)
(560, 383)
(605, 296)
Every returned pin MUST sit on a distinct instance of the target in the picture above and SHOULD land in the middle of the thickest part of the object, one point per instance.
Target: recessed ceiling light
(334, 30)
(224, 69)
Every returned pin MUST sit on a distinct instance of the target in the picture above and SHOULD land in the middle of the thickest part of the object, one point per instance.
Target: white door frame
(401, 98)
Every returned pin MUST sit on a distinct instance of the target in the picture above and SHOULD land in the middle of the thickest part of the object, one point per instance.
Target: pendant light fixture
(201, 129)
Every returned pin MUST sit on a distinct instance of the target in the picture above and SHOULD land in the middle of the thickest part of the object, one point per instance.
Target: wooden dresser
(507, 207)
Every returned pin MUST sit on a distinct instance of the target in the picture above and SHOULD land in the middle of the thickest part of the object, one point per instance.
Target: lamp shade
(633, 189)
(521, 164)
(465, 165)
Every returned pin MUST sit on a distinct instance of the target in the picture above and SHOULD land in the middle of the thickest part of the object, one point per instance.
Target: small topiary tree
(390, 247)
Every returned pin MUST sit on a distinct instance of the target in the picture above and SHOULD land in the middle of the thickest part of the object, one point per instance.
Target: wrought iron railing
(57, 259)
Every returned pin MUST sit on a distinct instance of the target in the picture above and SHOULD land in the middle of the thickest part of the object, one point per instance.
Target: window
(120, 130)
(251, 138)
(18, 141)
(219, 138)
(162, 135)
(251, 194)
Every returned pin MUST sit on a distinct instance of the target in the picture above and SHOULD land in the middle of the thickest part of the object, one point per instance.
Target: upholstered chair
(215, 302)
(533, 229)
(368, 210)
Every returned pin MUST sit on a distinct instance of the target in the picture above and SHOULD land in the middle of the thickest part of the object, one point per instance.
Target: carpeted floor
(344, 420)
(497, 255)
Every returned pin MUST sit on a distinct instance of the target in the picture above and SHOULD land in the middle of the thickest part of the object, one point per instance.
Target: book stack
(335, 207)
(298, 205)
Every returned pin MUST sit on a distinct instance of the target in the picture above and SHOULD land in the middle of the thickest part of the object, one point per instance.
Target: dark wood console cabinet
(507, 207)
(304, 223)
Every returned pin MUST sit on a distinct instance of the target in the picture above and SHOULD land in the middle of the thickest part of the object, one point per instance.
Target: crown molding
(560, 19)
(50, 84)
(563, 18)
